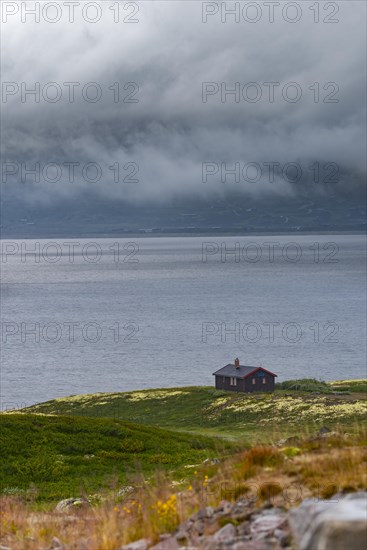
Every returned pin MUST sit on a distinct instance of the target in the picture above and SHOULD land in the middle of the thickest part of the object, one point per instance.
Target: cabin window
(233, 381)
(254, 380)
(264, 380)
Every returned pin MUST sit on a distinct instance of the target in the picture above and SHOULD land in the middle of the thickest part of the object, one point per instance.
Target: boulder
(226, 534)
(72, 504)
(324, 430)
(209, 511)
(198, 527)
(169, 543)
(267, 523)
(224, 508)
(56, 544)
(339, 524)
(182, 536)
(141, 544)
(124, 491)
(211, 461)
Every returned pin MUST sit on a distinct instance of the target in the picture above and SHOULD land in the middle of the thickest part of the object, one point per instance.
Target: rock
(124, 491)
(187, 525)
(240, 510)
(241, 516)
(226, 534)
(244, 528)
(240, 545)
(324, 430)
(267, 522)
(72, 504)
(211, 461)
(204, 513)
(209, 512)
(84, 544)
(251, 545)
(164, 536)
(201, 514)
(362, 495)
(199, 527)
(206, 543)
(328, 524)
(141, 544)
(283, 537)
(169, 543)
(182, 536)
(56, 544)
(224, 508)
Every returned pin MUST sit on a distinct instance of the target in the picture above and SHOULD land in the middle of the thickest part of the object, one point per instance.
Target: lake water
(106, 315)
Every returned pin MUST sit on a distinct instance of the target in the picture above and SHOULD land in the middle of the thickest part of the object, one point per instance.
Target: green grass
(91, 443)
(354, 386)
(47, 458)
(205, 410)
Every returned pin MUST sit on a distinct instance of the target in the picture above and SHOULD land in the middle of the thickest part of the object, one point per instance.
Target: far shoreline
(150, 235)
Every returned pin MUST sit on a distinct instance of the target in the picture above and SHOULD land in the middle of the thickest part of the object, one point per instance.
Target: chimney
(237, 363)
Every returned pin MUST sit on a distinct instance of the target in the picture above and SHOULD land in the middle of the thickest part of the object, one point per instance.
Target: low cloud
(162, 130)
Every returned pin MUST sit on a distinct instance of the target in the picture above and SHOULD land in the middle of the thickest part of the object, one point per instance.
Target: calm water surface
(85, 316)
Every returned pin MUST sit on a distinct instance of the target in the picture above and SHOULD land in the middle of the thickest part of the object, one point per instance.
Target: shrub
(304, 384)
(130, 445)
(291, 451)
(39, 468)
(263, 456)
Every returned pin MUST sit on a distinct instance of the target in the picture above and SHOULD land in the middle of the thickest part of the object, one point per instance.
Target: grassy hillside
(86, 445)
(261, 417)
(54, 457)
(89, 443)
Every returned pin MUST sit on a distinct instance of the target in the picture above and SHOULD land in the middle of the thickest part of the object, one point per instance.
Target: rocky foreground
(339, 523)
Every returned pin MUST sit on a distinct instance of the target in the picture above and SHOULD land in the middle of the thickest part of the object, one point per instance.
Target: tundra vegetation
(141, 462)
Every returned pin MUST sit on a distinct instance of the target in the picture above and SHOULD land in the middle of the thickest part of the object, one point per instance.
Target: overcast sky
(171, 131)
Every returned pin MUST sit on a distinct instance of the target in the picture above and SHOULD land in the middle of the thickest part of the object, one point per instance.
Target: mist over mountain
(173, 122)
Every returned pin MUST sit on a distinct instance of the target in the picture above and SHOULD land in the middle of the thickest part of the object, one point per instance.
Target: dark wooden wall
(259, 386)
(246, 385)
(223, 383)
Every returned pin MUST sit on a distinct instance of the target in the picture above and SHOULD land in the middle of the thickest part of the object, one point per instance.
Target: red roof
(259, 368)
